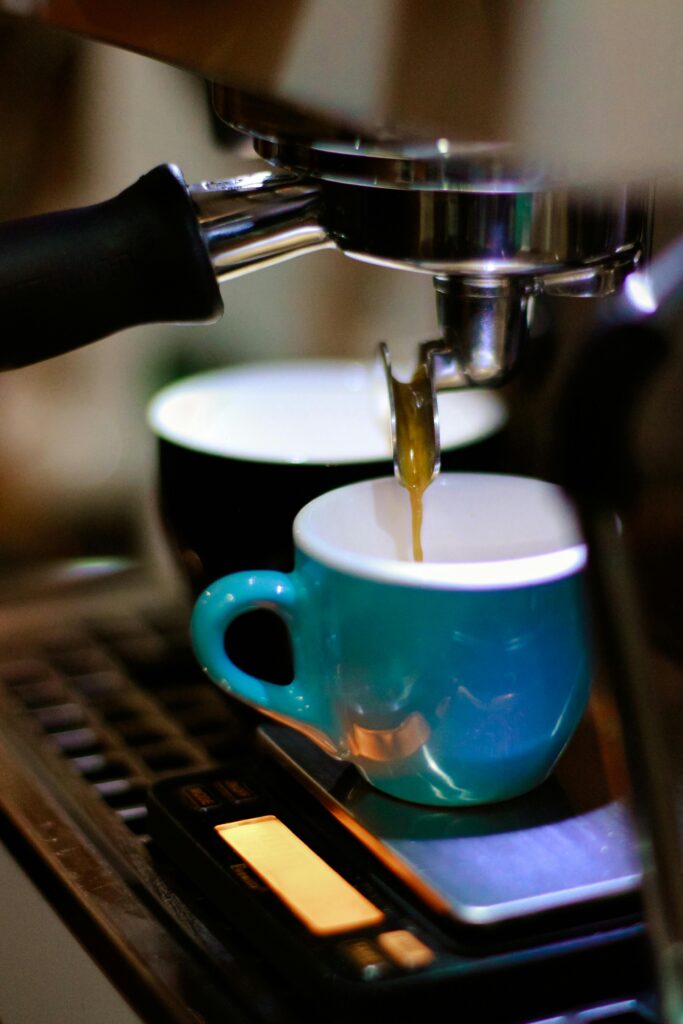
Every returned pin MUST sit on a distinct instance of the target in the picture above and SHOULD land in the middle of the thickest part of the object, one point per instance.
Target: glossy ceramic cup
(458, 680)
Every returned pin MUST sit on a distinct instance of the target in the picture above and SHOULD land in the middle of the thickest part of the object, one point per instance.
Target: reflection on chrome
(639, 292)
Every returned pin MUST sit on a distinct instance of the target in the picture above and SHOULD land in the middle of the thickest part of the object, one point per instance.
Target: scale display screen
(324, 901)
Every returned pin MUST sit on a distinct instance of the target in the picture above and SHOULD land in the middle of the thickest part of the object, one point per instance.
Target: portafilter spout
(484, 324)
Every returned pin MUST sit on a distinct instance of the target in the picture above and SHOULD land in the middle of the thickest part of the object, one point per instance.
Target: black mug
(241, 450)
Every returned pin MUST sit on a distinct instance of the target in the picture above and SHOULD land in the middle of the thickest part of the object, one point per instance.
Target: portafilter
(492, 233)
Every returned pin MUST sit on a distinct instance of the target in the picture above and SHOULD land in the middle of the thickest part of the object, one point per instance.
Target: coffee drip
(415, 437)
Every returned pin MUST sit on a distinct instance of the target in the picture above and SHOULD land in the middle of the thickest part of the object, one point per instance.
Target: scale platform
(568, 844)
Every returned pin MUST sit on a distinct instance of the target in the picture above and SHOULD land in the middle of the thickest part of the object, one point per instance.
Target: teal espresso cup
(456, 680)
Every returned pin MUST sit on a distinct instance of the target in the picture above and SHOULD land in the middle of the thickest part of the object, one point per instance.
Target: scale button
(368, 961)
(199, 798)
(235, 791)
(406, 950)
(248, 878)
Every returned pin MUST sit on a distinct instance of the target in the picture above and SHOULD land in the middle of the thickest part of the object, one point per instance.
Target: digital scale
(372, 902)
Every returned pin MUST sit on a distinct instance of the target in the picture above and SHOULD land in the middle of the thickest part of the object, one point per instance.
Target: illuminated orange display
(325, 902)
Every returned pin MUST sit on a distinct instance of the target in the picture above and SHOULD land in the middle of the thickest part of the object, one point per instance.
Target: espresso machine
(462, 141)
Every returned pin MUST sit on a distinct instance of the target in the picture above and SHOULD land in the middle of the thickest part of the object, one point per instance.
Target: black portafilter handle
(72, 277)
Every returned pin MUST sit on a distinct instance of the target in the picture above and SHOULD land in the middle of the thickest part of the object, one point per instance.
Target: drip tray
(567, 844)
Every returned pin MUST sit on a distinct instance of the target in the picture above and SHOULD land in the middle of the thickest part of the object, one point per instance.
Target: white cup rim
(558, 562)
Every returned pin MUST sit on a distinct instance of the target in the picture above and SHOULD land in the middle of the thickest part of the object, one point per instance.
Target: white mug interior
(317, 411)
(480, 531)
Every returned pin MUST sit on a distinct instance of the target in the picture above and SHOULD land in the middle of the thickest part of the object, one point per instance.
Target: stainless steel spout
(484, 322)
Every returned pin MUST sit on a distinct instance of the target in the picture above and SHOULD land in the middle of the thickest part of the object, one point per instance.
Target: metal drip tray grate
(100, 697)
(122, 701)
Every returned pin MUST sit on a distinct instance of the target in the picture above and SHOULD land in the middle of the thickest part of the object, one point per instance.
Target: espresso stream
(415, 444)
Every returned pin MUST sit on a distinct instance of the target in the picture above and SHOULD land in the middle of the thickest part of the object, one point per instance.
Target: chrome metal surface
(490, 233)
(459, 223)
(468, 209)
(485, 321)
(392, 161)
(258, 220)
(484, 232)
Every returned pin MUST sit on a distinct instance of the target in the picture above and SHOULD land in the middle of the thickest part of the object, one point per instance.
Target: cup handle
(224, 601)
